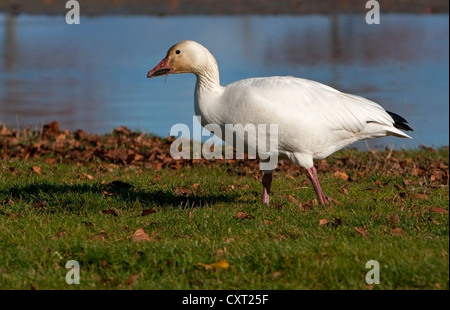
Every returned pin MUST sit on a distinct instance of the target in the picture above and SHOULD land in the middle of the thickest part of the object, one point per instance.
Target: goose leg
(312, 176)
(267, 182)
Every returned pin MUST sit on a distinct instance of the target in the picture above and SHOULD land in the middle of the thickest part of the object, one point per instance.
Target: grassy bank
(136, 219)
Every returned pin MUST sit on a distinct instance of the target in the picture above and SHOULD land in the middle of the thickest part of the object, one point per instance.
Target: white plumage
(314, 120)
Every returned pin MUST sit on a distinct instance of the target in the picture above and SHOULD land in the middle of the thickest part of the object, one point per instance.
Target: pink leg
(312, 176)
(266, 181)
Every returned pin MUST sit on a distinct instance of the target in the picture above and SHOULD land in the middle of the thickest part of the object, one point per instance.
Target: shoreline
(232, 7)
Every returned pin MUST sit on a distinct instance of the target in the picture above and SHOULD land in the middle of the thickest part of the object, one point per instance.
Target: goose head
(185, 57)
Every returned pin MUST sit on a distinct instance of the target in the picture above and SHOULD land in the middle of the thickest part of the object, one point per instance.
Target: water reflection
(92, 75)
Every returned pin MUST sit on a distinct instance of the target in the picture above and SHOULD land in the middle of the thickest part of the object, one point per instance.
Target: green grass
(50, 218)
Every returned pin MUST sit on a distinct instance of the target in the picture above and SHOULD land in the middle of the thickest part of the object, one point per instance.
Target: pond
(92, 76)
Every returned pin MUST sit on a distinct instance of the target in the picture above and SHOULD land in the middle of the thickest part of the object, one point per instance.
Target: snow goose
(314, 120)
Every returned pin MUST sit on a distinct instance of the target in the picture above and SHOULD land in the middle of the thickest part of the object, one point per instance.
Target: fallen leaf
(362, 231)
(275, 275)
(37, 169)
(58, 235)
(110, 211)
(340, 175)
(38, 205)
(399, 187)
(130, 281)
(196, 186)
(242, 216)
(439, 210)
(221, 252)
(323, 222)
(87, 224)
(223, 264)
(148, 211)
(140, 236)
(50, 161)
(182, 191)
(106, 193)
(267, 222)
(393, 219)
(397, 232)
(100, 236)
(421, 196)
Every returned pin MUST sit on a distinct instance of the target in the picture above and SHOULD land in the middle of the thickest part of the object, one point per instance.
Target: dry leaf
(242, 216)
(393, 219)
(397, 232)
(37, 170)
(292, 199)
(362, 231)
(223, 264)
(421, 196)
(275, 275)
(340, 175)
(58, 235)
(196, 186)
(182, 191)
(323, 222)
(140, 235)
(106, 193)
(50, 161)
(439, 210)
(148, 211)
(100, 236)
(110, 211)
(267, 222)
(130, 281)
(221, 252)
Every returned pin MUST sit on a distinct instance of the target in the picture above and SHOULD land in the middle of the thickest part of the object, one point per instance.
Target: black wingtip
(400, 122)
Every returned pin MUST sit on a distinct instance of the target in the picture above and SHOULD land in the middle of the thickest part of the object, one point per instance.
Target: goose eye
(177, 52)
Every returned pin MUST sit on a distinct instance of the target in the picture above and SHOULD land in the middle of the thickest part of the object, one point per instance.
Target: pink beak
(161, 69)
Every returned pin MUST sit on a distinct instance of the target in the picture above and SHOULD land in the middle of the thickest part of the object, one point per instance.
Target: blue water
(93, 75)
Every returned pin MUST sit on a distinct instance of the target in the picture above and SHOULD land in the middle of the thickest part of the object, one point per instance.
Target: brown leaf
(421, 196)
(362, 231)
(110, 211)
(397, 232)
(399, 187)
(221, 252)
(196, 186)
(292, 199)
(148, 211)
(275, 275)
(393, 219)
(38, 205)
(100, 236)
(140, 236)
(267, 222)
(323, 222)
(130, 281)
(37, 170)
(106, 193)
(223, 264)
(50, 161)
(58, 235)
(439, 210)
(242, 216)
(182, 191)
(122, 130)
(340, 175)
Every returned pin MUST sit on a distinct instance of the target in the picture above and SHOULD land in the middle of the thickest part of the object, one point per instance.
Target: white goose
(314, 120)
